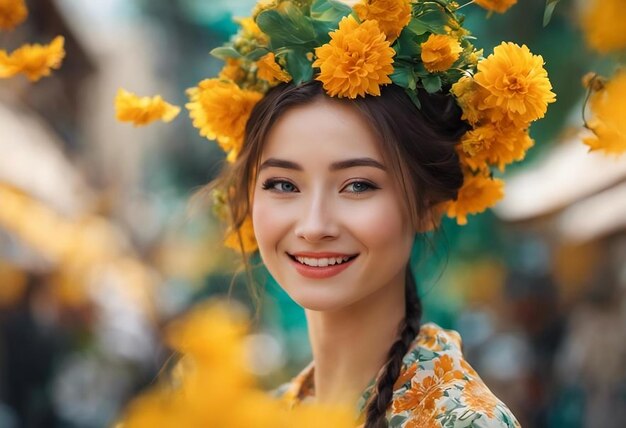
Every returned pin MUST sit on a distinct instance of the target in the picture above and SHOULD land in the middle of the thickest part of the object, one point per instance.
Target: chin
(317, 300)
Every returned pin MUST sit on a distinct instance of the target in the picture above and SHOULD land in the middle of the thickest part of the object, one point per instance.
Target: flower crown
(354, 51)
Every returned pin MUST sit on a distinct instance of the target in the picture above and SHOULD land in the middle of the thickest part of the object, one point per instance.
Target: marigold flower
(499, 6)
(468, 93)
(608, 107)
(242, 239)
(251, 31)
(12, 13)
(270, 71)
(392, 15)
(440, 51)
(517, 84)
(494, 144)
(220, 110)
(143, 110)
(232, 70)
(602, 25)
(356, 61)
(478, 193)
(35, 61)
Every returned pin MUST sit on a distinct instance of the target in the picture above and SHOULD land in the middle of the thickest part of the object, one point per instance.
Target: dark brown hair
(417, 144)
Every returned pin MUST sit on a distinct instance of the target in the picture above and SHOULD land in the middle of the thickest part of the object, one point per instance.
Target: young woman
(348, 161)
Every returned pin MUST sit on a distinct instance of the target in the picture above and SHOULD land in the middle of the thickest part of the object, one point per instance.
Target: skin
(316, 205)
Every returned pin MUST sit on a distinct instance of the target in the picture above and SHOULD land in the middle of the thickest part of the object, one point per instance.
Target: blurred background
(99, 247)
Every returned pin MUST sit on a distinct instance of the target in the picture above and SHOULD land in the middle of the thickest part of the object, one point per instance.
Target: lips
(321, 265)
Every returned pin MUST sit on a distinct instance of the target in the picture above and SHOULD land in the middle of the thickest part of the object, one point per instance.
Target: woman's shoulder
(437, 387)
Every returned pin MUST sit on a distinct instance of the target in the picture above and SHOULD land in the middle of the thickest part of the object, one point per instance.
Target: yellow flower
(270, 71)
(392, 15)
(141, 111)
(608, 106)
(232, 70)
(251, 31)
(602, 25)
(242, 239)
(499, 6)
(440, 51)
(12, 13)
(356, 61)
(517, 84)
(35, 61)
(220, 110)
(494, 144)
(478, 193)
(468, 94)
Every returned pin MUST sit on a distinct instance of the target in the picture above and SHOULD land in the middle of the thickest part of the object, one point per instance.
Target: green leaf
(413, 96)
(547, 14)
(225, 52)
(329, 10)
(417, 27)
(432, 83)
(298, 66)
(257, 54)
(403, 76)
(286, 26)
(406, 46)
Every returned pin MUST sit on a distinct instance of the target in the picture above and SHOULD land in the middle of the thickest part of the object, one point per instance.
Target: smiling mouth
(322, 261)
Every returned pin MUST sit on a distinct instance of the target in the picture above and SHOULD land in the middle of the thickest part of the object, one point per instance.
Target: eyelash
(270, 184)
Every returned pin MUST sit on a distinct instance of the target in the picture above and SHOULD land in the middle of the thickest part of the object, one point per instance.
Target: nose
(318, 221)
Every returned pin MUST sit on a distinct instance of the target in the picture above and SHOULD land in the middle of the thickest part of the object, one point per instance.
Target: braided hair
(408, 330)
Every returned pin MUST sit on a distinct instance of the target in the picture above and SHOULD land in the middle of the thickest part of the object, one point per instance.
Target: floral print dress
(436, 388)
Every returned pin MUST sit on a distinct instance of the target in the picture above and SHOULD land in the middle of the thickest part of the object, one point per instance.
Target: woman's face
(328, 217)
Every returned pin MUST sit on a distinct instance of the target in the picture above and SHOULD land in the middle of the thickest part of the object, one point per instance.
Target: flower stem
(466, 4)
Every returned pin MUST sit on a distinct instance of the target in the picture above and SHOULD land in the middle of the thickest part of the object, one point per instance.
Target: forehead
(323, 130)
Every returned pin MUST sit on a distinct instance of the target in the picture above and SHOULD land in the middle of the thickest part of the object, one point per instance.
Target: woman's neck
(351, 345)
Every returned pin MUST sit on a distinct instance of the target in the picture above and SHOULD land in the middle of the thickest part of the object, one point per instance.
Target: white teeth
(322, 262)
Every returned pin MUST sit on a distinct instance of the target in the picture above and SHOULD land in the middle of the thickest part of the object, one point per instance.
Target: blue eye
(281, 186)
(359, 187)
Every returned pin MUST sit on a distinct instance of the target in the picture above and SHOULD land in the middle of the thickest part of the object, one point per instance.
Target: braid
(377, 408)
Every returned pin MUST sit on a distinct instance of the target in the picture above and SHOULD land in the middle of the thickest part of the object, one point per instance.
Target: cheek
(381, 225)
(269, 222)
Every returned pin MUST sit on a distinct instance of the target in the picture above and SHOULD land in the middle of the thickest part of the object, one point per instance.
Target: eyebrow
(335, 166)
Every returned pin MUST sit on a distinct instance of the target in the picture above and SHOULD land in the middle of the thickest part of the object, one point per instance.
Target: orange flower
(220, 110)
(232, 70)
(270, 71)
(12, 13)
(392, 15)
(35, 61)
(478, 193)
(517, 84)
(440, 51)
(468, 95)
(494, 144)
(608, 106)
(422, 394)
(141, 111)
(499, 6)
(242, 239)
(602, 25)
(477, 397)
(357, 60)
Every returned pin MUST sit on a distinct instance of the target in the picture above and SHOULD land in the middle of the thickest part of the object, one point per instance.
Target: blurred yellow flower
(494, 144)
(356, 61)
(499, 6)
(35, 61)
(232, 70)
(211, 387)
(251, 31)
(12, 13)
(517, 84)
(440, 51)
(602, 23)
(143, 110)
(478, 193)
(608, 106)
(242, 239)
(270, 71)
(220, 110)
(392, 15)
